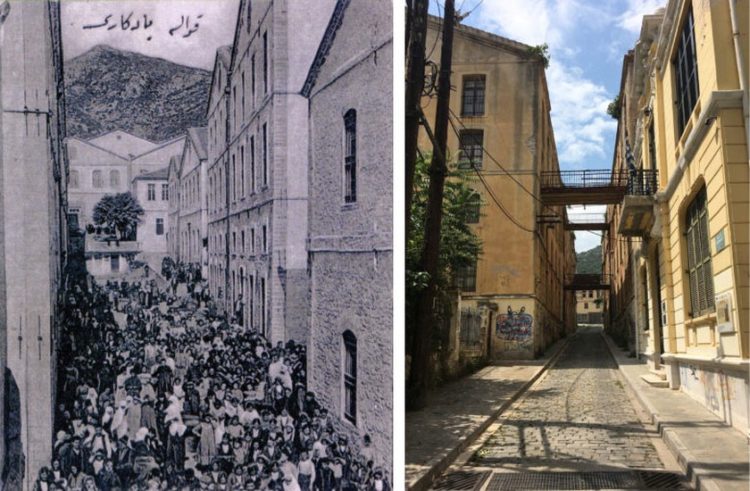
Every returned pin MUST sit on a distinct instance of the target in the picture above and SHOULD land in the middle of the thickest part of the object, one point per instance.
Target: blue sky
(587, 41)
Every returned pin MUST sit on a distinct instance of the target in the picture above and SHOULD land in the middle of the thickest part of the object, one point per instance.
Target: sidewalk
(713, 455)
(458, 412)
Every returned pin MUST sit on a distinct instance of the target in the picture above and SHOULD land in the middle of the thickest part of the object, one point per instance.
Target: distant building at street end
(151, 189)
(33, 234)
(589, 306)
(350, 238)
(678, 254)
(512, 303)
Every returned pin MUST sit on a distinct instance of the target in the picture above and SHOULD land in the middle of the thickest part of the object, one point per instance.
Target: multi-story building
(173, 217)
(680, 250)
(504, 140)
(589, 306)
(33, 233)
(257, 165)
(108, 164)
(350, 244)
(192, 226)
(151, 189)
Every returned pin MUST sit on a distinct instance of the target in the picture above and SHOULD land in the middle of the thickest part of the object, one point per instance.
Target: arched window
(114, 178)
(350, 156)
(96, 179)
(700, 276)
(73, 179)
(350, 377)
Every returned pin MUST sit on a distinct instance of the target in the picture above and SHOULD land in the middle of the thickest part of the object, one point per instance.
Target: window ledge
(703, 320)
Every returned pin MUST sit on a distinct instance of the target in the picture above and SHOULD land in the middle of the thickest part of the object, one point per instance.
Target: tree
(542, 52)
(120, 212)
(459, 245)
(613, 109)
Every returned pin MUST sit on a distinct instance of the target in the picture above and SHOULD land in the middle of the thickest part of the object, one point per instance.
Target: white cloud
(579, 115)
(631, 19)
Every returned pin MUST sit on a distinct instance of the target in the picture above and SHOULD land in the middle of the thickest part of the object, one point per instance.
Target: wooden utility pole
(429, 261)
(416, 35)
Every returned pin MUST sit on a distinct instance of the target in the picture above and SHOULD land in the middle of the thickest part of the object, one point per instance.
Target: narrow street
(576, 426)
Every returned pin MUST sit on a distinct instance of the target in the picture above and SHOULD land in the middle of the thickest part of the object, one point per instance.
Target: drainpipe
(740, 72)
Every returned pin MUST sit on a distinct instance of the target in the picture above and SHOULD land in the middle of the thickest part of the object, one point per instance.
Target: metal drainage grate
(586, 480)
(461, 481)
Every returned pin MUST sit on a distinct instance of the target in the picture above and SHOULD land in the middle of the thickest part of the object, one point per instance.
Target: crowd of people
(158, 390)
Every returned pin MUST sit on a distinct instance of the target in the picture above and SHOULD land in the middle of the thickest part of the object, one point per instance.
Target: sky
(193, 42)
(587, 40)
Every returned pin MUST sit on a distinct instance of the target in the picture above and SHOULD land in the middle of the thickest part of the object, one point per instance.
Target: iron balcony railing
(637, 182)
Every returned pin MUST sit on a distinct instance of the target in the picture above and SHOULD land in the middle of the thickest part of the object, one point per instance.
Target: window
(252, 78)
(585, 305)
(686, 73)
(242, 171)
(151, 192)
(96, 179)
(73, 179)
(252, 164)
(234, 241)
(470, 146)
(350, 156)
(114, 178)
(243, 241)
(350, 377)
(165, 192)
(651, 145)
(473, 205)
(114, 263)
(265, 240)
(466, 278)
(265, 155)
(252, 240)
(234, 178)
(159, 226)
(699, 256)
(243, 96)
(472, 99)
(265, 62)
(249, 14)
(263, 306)
(591, 294)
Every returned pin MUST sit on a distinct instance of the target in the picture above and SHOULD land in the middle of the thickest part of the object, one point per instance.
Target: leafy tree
(542, 51)
(459, 246)
(120, 212)
(613, 109)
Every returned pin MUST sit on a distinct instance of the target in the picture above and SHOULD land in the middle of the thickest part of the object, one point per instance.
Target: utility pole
(429, 260)
(416, 35)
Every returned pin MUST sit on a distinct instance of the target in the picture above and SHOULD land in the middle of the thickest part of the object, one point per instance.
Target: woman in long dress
(207, 442)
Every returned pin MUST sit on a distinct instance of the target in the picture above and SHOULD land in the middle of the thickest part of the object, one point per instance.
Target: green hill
(589, 261)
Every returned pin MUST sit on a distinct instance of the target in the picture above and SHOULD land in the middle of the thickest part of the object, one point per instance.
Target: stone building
(257, 165)
(173, 216)
(514, 297)
(191, 226)
(350, 238)
(680, 250)
(33, 232)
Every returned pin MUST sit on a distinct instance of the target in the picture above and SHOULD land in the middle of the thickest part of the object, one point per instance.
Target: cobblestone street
(578, 415)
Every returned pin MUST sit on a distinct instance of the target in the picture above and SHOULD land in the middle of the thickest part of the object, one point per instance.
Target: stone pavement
(714, 455)
(578, 417)
(458, 412)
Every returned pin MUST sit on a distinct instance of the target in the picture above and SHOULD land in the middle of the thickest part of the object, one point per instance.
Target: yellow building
(589, 306)
(500, 114)
(687, 263)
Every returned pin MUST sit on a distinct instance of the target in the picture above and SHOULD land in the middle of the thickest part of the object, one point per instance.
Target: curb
(424, 482)
(684, 457)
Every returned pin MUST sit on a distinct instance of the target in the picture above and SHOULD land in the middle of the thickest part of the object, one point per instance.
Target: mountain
(589, 261)
(107, 89)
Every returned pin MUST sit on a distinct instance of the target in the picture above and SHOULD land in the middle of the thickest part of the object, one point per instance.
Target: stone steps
(655, 380)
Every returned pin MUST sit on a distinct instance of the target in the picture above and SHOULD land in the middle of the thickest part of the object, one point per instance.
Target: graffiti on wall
(514, 326)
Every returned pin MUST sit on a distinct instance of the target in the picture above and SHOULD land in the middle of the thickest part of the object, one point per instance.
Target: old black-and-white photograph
(196, 244)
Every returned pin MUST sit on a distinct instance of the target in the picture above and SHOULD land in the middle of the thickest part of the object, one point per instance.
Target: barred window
(699, 256)
(350, 156)
(473, 205)
(470, 146)
(350, 377)
(151, 189)
(466, 278)
(686, 71)
(165, 192)
(472, 100)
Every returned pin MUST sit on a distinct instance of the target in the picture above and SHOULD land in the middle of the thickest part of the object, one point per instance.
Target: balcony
(637, 210)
